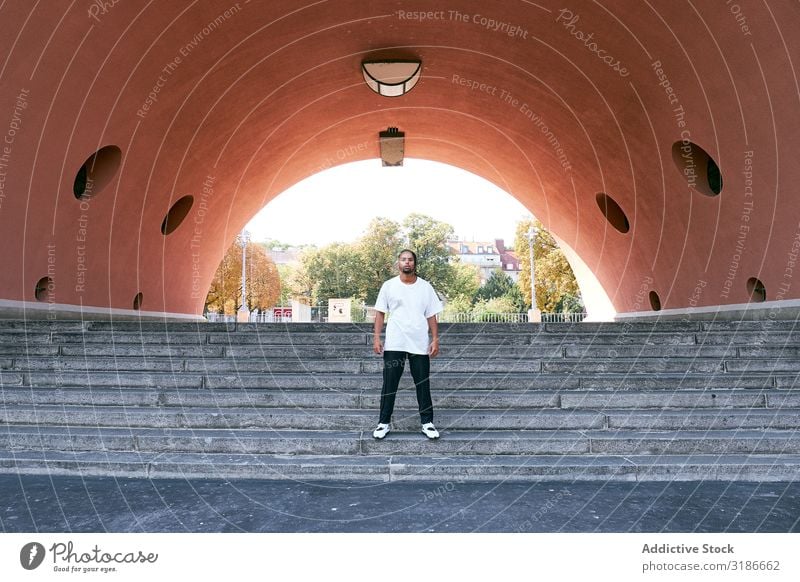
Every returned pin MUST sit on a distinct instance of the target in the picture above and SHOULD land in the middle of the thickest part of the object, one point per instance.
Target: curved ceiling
(610, 123)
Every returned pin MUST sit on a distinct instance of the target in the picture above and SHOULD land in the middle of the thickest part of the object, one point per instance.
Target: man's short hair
(413, 254)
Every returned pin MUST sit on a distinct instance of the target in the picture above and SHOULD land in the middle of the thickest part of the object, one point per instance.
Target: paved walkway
(71, 504)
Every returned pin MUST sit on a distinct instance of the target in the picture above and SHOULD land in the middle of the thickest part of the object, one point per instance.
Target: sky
(308, 213)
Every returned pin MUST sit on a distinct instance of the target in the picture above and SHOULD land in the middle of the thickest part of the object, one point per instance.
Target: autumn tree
(263, 281)
(556, 286)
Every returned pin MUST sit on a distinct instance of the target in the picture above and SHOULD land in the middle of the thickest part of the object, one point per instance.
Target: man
(412, 304)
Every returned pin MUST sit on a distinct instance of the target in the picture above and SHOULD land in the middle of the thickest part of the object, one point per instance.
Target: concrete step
(184, 398)
(370, 365)
(782, 419)
(750, 325)
(667, 326)
(146, 338)
(298, 338)
(492, 337)
(751, 338)
(490, 381)
(791, 381)
(20, 349)
(450, 352)
(24, 338)
(318, 418)
(440, 379)
(565, 339)
(11, 326)
(648, 351)
(77, 364)
(159, 326)
(244, 441)
(304, 352)
(445, 469)
(583, 327)
(369, 398)
(612, 442)
(634, 366)
(669, 381)
(321, 442)
(509, 328)
(692, 399)
(777, 352)
(10, 378)
(110, 379)
(302, 419)
(764, 365)
(359, 364)
(133, 350)
(650, 401)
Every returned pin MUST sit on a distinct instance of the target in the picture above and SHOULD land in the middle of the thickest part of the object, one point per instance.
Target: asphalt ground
(48, 504)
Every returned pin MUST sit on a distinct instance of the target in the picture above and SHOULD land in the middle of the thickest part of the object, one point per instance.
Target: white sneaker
(381, 431)
(430, 430)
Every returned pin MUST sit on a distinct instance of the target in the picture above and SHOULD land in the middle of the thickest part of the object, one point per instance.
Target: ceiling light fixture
(393, 145)
(391, 78)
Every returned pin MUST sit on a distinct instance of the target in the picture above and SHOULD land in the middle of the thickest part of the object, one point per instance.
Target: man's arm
(433, 325)
(377, 346)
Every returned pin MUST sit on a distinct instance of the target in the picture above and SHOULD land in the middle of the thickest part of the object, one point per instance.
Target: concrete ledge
(525, 469)
(788, 309)
(26, 310)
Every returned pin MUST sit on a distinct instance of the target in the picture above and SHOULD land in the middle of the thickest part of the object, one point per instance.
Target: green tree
(461, 304)
(357, 270)
(427, 237)
(554, 277)
(466, 281)
(569, 304)
(377, 249)
(334, 272)
(489, 309)
(499, 285)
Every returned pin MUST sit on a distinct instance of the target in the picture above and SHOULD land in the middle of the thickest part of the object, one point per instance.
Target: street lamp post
(534, 314)
(244, 313)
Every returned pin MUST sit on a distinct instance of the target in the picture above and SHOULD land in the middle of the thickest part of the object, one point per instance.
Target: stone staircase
(635, 401)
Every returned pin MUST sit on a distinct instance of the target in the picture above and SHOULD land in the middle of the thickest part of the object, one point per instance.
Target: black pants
(393, 365)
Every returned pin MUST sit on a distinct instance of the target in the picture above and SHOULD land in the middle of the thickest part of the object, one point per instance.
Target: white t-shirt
(410, 306)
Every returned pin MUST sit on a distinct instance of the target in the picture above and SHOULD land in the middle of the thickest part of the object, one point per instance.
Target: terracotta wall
(232, 102)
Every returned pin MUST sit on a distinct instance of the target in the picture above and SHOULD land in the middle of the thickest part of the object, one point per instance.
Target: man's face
(407, 263)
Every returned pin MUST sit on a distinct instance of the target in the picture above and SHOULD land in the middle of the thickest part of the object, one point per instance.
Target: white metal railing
(451, 317)
(563, 317)
(320, 315)
(254, 317)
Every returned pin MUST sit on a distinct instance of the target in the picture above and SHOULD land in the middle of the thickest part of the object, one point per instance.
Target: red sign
(285, 312)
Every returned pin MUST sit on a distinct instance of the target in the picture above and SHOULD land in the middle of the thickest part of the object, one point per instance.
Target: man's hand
(433, 326)
(433, 349)
(377, 346)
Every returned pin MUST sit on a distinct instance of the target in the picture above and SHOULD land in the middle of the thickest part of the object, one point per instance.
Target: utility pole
(244, 313)
(534, 314)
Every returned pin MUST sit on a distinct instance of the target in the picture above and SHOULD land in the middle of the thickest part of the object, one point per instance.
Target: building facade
(488, 256)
